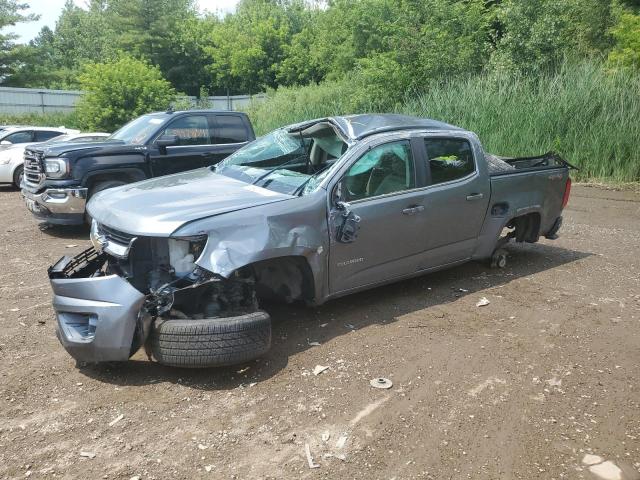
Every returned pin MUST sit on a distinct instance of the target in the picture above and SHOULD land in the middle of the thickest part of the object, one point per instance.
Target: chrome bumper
(57, 200)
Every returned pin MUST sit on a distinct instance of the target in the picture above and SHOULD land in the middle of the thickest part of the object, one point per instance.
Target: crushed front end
(107, 297)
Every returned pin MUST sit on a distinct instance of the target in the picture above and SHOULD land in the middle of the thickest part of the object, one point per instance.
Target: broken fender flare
(211, 342)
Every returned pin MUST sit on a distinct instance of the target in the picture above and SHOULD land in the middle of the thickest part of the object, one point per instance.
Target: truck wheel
(211, 342)
(17, 176)
(499, 259)
(98, 187)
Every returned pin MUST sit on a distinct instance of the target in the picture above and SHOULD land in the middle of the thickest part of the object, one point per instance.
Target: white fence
(34, 100)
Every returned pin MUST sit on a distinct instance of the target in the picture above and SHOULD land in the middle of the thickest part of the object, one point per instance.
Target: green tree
(11, 13)
(248, 47)
(118, 91)
(626, 53)
(538, 35)
(146, 29)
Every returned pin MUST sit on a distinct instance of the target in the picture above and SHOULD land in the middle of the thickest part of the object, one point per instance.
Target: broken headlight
(184, 252)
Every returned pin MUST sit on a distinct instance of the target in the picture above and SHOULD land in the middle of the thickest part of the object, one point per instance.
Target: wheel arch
(287, 278)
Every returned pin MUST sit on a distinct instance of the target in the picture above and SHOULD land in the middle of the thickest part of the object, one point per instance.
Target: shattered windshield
(285, 162)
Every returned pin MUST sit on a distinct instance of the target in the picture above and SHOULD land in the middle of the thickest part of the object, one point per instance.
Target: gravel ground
(522, 388)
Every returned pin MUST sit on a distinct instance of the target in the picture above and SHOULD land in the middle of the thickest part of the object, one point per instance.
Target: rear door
(194, 144)
(457, 199)
(228, 133)
(382, 188)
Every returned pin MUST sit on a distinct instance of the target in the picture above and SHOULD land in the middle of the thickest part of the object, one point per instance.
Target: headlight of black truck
(56, 167)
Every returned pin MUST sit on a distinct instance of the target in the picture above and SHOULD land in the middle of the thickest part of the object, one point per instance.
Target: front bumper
(62, 206)
(99, 319)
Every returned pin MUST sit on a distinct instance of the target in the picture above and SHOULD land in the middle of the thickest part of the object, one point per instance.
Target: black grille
(116, 235)
(33, 168)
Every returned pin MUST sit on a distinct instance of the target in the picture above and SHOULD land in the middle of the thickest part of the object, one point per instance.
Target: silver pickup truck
(309, 212)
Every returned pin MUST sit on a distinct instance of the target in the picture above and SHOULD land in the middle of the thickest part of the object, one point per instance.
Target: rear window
(449, 159)
(230, 129)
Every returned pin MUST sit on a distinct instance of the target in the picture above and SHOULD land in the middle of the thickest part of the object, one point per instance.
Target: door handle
(413, 210)
(475, 196)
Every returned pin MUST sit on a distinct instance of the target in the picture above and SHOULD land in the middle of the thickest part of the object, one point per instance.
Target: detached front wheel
(211, 342)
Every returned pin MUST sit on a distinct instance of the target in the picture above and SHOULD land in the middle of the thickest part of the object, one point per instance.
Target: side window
(230, 129)
(44, 135)
(449, 159)
(19, 137)
(384, 169)
(191, 130)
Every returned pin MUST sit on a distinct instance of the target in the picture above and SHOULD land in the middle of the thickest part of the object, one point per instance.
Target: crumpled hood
(159, 206)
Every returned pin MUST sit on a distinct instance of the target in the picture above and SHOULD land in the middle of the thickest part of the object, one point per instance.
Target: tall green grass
(68, 120)
(589, 115)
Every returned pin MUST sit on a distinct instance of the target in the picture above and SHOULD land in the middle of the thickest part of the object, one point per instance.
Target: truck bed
(508, 165)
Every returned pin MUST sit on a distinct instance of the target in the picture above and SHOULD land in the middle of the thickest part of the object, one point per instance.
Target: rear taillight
(567, 192)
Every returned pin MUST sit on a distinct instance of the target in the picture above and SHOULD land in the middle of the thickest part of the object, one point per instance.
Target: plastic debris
(314, 344)
(483, 302)
(607, 471)
(326, 436)
(307, 450)
(72, 245)
(202, 447)
(340, 456)
(88, 454)
(381, 382)
(341, 441)
(319, 369)
(208, 468)
(116, 420)
(590, 459)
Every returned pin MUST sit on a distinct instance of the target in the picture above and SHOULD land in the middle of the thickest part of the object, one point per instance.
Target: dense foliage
(318, 57)
(587, 114)
(118, 91)
(393, 46)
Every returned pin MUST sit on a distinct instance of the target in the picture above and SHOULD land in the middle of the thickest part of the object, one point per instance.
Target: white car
(12, 154)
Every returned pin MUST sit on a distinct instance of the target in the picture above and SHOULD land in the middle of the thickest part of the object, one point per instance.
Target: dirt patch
(524, 387)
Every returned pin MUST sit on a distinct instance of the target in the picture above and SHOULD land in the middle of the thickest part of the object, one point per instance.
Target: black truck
(59, 180)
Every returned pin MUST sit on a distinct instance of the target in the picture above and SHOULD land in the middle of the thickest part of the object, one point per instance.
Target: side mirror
(165, 141)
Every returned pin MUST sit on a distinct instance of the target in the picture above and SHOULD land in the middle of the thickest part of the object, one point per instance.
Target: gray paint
(115, 305)
(246, 224)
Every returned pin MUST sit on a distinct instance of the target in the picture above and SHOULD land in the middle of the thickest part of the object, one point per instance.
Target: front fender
(281, 229)
(130, 166)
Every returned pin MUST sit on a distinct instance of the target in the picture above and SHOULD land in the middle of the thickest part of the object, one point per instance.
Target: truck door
(190, 151)
(230, 132)
(385, 205)
(456, 201)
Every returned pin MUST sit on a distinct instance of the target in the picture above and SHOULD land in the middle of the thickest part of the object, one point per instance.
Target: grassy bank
(68, 120)
(588, 115)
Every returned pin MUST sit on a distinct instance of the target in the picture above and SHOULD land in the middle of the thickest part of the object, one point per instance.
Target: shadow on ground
(294, 326)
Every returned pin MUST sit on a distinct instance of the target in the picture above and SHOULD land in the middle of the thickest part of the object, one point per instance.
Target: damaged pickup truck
(309, 212)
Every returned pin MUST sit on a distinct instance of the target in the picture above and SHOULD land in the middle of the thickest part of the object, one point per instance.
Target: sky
(49, 11)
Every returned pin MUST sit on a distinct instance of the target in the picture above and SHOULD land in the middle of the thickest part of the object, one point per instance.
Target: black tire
(98, 187)
(211, 342)
(17, 176)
